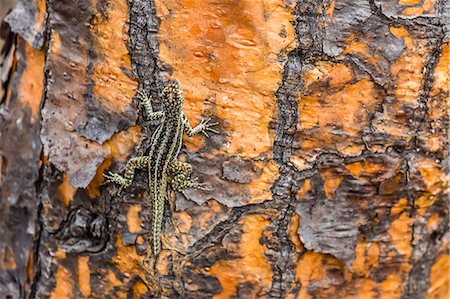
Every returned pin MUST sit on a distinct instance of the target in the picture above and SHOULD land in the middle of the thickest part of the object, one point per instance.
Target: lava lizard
(161, 162)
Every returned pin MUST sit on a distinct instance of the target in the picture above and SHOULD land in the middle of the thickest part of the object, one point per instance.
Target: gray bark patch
(329, 226)
(24, 21)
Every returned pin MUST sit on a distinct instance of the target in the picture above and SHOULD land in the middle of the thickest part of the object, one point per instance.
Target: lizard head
(173, 97)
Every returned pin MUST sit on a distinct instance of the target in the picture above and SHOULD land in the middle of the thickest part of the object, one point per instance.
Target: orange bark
(328, 171)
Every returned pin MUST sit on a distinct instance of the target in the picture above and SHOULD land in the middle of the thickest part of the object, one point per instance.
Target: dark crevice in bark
(43, 275)
(287, 107)
(418, 280)
(222, 228)
(282, 256)
(38, 235)
(368, 136)
(309, 29)
(43, 271)
(144, 46)
(37, 263)
(309, 34)
(93, 231)
(410, 197)
(420, 117)
(420, 114)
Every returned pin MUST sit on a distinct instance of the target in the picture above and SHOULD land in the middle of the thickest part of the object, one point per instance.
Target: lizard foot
(207, 126)
(180, 186)
(200, 186)
(203, 187)
(112, 177)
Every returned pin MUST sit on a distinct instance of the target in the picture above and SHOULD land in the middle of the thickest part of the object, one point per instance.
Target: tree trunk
(328, 174)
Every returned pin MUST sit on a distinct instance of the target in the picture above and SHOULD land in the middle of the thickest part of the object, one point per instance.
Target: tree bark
(329, 174)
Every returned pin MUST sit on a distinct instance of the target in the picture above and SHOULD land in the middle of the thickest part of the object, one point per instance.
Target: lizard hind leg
(181, 177)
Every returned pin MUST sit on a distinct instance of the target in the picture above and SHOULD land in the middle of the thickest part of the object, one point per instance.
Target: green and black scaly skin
(161, 161)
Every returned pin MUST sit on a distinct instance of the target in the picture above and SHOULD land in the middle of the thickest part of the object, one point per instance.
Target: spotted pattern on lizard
(161, 161)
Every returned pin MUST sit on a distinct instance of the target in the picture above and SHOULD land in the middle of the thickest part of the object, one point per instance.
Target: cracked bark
(329, 172)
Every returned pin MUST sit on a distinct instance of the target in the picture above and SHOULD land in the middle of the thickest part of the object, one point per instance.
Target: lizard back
(165, 145)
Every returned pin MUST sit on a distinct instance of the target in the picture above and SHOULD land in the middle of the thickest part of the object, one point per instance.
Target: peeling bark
(329, 173)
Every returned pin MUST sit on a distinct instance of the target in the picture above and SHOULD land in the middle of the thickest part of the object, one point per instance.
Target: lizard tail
(158, 212)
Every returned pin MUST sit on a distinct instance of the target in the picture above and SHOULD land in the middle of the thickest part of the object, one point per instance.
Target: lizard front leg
(203, 127)
(127, 179)
(146, 104)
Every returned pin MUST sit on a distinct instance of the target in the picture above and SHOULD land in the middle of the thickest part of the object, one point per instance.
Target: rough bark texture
(329, 175)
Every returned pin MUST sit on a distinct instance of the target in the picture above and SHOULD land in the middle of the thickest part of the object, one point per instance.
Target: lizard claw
(207, 126)
(112, 177)
(193, 183)
(142, 94)
(109, 177)
(212, 130)
(206, 189)
(203, 187)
